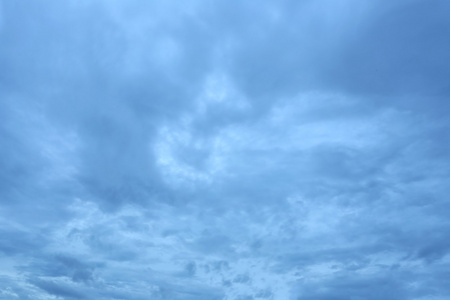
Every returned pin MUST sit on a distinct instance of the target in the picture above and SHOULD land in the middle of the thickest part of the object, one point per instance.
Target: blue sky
(236, 150)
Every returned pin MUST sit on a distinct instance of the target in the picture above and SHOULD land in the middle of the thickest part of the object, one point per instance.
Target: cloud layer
(224, 150)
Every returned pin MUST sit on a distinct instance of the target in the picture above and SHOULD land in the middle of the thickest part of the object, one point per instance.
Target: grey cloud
(224, 150)
(19, 242)
(59, 289)
(344, 288)
(400, 52)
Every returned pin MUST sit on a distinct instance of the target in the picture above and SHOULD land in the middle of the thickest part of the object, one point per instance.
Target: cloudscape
(235, 150)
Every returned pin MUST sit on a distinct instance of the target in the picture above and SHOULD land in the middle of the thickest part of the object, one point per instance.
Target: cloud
(224, 150)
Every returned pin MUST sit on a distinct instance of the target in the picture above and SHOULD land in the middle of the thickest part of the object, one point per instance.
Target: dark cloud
(400, 52)
(60, 290)
(344, 287)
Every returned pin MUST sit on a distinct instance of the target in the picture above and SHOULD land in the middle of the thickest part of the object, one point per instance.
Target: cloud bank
(224, 150)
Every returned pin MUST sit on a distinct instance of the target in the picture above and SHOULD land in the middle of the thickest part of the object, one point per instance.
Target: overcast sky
(235, 150)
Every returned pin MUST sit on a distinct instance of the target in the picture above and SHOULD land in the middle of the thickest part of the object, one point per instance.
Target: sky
(235, 150)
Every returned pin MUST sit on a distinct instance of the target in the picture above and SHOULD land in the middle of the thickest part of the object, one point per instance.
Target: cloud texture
(224, 150)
